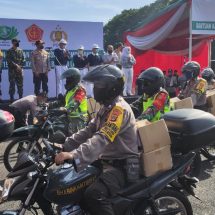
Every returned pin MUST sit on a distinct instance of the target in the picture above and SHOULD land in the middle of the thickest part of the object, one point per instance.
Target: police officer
(75, 101)
(155, 100)
(15, 60)
(40, 67)
(81, 63)
(111, 137)
(62, 56)
(94, 59)
(208, 75)
(195, 87)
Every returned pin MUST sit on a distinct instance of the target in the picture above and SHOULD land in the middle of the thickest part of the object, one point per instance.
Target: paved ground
(205, 190)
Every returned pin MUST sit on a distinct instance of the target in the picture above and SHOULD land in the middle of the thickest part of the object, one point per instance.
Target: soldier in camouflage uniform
(15, 60)
(194, 87)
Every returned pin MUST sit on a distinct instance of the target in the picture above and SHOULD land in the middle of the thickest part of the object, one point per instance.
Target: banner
(203, 17)
(51, 32)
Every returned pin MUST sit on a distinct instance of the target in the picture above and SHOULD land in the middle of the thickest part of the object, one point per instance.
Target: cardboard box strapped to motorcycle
(176, 103)
(211, 101)
(156, 156)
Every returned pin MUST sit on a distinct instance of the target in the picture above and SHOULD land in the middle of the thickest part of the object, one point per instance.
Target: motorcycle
(191, 130)
(51, 124)
(61, 191)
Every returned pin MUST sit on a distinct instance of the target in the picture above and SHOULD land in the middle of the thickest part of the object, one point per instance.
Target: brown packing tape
(158, 152)
(157, 145)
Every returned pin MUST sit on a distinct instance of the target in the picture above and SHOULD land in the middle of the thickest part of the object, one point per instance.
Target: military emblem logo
(8, 33)
(58, 34)
(34, 33)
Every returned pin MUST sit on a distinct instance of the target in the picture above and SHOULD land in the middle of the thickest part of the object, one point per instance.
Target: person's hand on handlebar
(62, 157)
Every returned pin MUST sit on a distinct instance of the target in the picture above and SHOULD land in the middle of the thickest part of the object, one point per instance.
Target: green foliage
(130, 19)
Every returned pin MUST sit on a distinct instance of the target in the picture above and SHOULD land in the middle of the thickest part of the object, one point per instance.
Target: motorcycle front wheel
(168, 201)
(15, 147)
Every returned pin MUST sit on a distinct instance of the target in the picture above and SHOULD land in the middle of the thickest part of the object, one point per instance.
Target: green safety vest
(149, 103)
(81, 110)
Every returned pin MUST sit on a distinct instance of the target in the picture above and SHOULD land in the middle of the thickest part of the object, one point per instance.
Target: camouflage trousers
(75, 124)
(15, 78)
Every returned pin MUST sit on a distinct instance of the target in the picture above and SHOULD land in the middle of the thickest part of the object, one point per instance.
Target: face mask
(16, 44)
(69, 85)
(128, 51)
(110, 51)
(188, 75)
(42, 47)
(96, 51)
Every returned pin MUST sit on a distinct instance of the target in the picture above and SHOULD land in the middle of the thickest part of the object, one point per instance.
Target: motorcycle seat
(190, 128)
(151, 185)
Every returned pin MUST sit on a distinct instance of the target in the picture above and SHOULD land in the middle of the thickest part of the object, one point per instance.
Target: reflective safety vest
(82, 108)
(149, 103)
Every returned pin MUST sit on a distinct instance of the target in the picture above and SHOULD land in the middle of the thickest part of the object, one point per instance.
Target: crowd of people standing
(119, 56)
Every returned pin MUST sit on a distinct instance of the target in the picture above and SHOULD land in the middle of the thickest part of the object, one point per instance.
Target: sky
(72, 10)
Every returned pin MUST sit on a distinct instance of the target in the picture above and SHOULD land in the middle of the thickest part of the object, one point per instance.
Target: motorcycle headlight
(6, 188)
(32, 175)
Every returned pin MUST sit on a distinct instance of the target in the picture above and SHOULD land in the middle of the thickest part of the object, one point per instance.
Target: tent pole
(209, 52)
(190, 30)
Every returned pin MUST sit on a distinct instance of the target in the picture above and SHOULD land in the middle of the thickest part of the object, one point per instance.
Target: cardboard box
(176, 103)
(93, 107)
(212, 110)
(153, 135)
(142, 123)
(210, 98)
(156, 161)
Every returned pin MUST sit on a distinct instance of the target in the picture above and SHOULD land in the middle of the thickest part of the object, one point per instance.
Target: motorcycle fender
(25, 131)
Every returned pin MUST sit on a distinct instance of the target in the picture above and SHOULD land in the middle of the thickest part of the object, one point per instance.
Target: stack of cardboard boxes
(211, 101)
(176, 103)
(156, 155)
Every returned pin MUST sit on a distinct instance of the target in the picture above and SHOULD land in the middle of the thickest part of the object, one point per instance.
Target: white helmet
(62, 41)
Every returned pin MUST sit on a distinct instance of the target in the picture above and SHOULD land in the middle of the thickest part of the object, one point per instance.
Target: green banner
(27, 54)
(200, 25)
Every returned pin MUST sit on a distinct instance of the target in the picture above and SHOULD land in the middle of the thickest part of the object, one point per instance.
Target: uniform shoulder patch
(113, 124)
(201, 85)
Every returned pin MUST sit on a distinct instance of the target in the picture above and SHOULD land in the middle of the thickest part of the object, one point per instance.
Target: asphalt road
(205, 190)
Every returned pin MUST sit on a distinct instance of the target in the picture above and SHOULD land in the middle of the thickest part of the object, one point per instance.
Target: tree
(130, 20)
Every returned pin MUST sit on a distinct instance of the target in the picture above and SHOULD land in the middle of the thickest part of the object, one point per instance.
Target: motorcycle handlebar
(48, 146)
(72, 161)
